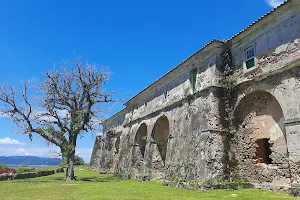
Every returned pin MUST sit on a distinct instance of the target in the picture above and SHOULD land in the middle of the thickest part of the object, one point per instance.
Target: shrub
(3, 166)
(7, 170)
(4, 177)
(44, 173)
(59, 170)
(24, 165)
(25, 175)
(77, 161)
(25, 169)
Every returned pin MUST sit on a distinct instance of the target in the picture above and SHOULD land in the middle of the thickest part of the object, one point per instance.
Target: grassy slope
(94, 186)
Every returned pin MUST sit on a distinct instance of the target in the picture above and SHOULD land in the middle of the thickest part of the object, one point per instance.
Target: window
(193, 79)
(250, 62)
(166, 94)
(263, 151)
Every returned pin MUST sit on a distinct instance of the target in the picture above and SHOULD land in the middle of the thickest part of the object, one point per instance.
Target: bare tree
(70, 102)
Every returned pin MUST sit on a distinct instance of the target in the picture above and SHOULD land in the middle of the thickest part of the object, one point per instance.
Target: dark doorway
(263, 151)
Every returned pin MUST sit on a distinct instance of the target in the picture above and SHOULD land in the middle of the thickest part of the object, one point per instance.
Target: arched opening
(260, 135)
(141, 138)
(160, 135)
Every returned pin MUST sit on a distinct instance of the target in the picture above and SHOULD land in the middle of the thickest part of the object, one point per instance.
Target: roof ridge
(262, 17)
(176, 66)
(224, 41)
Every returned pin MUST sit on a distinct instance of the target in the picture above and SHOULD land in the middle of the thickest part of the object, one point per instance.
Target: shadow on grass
(39, 180)
(85, 179)
(98, 179)
(91, 178)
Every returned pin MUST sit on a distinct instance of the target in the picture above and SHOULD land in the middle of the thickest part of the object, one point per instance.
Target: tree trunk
(70, 169)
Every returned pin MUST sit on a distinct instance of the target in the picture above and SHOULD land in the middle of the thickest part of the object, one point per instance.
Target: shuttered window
(250, 62)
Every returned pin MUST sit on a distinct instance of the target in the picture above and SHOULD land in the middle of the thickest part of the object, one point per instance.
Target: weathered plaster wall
(103, 154)
(176, 85)
(277, 49)
(266, 103)
(259, 116)
(193, 120)
(194, 146)
(284, 87)
(96, 154)
(275, 41)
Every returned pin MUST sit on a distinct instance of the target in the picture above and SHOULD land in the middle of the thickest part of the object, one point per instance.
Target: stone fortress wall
(185, 125)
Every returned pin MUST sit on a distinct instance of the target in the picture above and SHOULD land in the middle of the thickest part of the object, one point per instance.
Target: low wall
(25, 175)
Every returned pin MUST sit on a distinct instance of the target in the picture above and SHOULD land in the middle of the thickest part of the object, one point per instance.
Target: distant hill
(28, 160)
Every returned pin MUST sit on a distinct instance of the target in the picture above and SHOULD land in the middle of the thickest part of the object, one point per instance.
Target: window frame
(247, 59)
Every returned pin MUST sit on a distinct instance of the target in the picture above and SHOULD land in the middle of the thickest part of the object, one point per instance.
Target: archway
(260, 137)
(160, 135)
(141, 138)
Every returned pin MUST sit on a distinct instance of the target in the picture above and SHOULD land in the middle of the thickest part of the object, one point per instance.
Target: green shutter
(250, 63)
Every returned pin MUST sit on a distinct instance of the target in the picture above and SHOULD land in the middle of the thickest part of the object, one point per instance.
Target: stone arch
(160, 135)
(264, 105)
(141, 138)
(260, 137)
(271, 89)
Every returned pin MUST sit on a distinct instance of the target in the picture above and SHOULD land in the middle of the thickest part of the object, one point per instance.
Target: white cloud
(3, 115)
(84, 153)
(274, 3)
(98, 133)
(41, 151)
(9, 141)
(44, 115)
(22, 151)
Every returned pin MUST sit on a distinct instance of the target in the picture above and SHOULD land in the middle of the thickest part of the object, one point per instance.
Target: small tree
(77, 161)
(69, 103)
(3, 166)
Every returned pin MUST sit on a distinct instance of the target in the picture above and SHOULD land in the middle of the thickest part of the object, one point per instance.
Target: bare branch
(70, 101)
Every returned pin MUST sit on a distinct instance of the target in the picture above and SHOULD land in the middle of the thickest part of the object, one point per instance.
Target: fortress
(230, 111)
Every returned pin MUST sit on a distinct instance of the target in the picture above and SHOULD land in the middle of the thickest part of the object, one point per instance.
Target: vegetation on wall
(228, 83)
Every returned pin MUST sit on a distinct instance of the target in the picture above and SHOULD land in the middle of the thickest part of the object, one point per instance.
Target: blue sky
(138, 40)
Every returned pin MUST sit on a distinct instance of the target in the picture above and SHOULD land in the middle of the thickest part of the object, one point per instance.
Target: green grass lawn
(91, 185)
